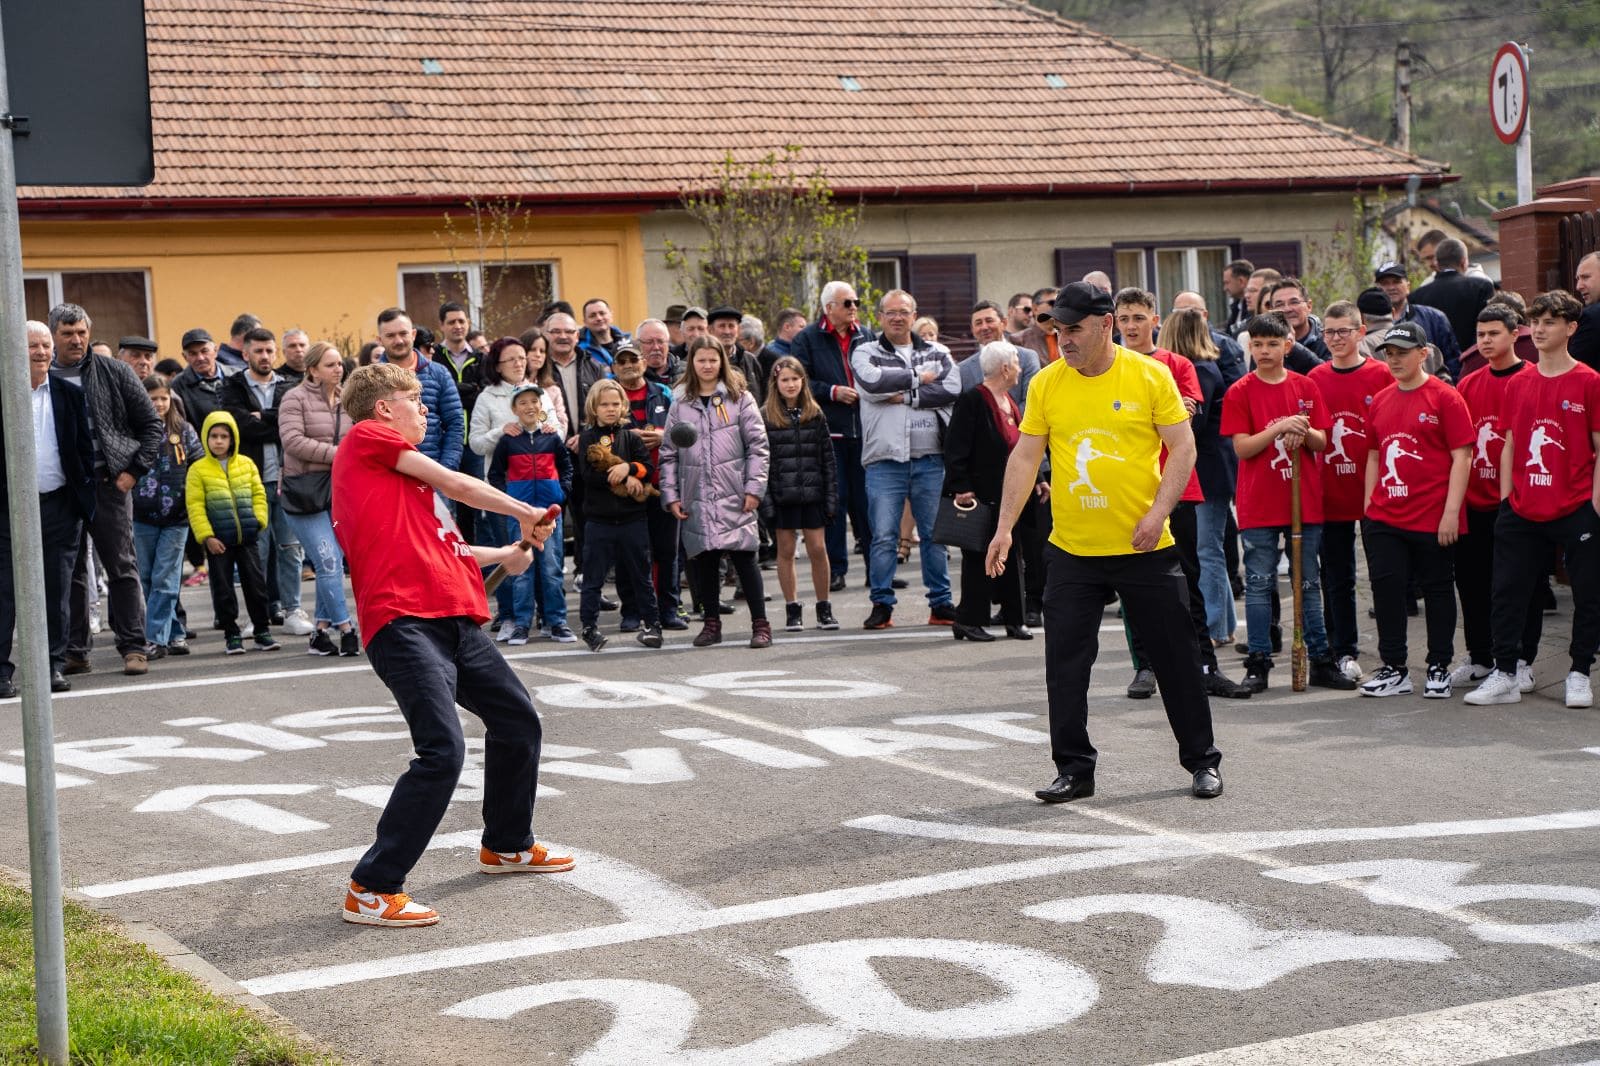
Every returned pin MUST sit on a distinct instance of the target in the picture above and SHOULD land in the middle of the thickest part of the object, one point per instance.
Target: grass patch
(124, 1004)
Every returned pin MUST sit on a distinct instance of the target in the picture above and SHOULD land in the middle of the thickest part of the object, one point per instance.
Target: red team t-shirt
(1263, 495)
(1183, 373)
(1413, 433)
(1484, 390)
(1549, 421)
(407, 558)
(1349, 395)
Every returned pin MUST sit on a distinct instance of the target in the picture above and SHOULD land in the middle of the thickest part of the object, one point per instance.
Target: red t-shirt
(1548, 421)
(1264, 480)
(407, 558)
(1183, 373)
(1349, 395)
(1484, 390)
(1413, 433)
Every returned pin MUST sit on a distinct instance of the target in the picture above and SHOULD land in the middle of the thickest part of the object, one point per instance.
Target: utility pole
(1402, 96)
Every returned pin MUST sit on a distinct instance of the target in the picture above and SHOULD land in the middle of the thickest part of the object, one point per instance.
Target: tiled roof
(618, 98)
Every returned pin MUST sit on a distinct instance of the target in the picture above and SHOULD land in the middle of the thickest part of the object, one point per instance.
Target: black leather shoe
(977, 633)
(1207, 783)
(899, 583)
(1218, 684)
(1143, 685)
(1019, 632)
(607, 603)
(837, 584)
(1067, 787)
(1033, 619)
(59, 682)
(8, 688)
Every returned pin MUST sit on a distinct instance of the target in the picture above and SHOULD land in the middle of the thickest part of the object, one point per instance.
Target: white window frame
(1191, 266)
(474, 273)
(55, 290)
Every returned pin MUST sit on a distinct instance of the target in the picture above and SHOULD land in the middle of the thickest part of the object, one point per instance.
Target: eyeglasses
(1339, 334)
(1293, 301)
(849, 303)
(897, 313)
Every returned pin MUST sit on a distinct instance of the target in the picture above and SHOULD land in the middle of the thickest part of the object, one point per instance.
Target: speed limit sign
(1508, 92)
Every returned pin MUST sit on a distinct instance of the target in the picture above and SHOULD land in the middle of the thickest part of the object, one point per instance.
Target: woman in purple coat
(715, 485)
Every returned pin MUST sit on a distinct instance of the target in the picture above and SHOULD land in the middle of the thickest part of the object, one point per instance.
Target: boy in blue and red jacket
(533, 466)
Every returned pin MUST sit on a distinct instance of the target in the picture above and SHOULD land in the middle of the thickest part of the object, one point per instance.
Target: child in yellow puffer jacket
(227, 506)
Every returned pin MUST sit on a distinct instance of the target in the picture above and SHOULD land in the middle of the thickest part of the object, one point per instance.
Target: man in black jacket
(66, 502)
(200, 384)
(462, 360)
(126, 433)
(1585, 344)
(1455, 292)
(824, 348)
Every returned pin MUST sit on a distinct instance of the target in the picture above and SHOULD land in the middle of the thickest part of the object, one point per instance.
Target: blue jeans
(1261, 548)
(315, 534)
(889, 485)
(541, 583)
(1212, 521)
(160, 553)
(282, 536)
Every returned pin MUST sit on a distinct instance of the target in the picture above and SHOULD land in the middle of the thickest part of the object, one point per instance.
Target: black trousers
(430, 665)
(1397, 559)
(662, 530)
(1339, 588)
(978, 589)
(707, 579)
(247, 557)
(627, 545)
(1474, 575)
(852, 505)
(1522, 551)
(62, 529)
(1154, 597)
(1186, 539)
(111, 530)
(1034, 536)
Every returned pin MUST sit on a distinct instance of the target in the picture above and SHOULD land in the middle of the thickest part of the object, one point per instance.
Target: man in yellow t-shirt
(1105, 412)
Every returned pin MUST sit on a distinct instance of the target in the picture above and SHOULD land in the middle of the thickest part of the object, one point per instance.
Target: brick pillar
(1530, 253)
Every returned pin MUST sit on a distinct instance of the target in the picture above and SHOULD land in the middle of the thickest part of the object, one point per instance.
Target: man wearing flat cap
(140, 355)
(724, 322)
(1396, 285)
(1106, 412)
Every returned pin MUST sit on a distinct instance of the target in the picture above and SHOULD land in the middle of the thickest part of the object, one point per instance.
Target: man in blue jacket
(824, 348)
(446, 426)
(1396, 285)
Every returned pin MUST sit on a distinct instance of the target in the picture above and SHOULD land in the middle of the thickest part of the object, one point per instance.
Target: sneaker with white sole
(384, 908)
(562, 635)
(1388, 681)
(506, 629)
(536, 860)
(519, 636)
(298, 624)
(1350, 667)
(1578, 692)
(1469, 673)
(1525, 681)
(1437, 686)
(1497, 688)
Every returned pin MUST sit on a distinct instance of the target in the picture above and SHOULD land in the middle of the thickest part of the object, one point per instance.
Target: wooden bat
(498, 574)
(1297, 651)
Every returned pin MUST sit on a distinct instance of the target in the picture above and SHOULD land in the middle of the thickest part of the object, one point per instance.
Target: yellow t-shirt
(1104, 448)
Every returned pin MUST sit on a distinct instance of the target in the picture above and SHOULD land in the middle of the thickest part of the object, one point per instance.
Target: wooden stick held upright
(1297, 651)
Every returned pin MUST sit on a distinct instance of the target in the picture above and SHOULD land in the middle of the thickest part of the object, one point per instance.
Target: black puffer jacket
(801, 465)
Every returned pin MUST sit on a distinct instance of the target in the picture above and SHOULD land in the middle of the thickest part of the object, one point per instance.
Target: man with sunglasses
(1019, 312)
(1037, 337)
(824, 349)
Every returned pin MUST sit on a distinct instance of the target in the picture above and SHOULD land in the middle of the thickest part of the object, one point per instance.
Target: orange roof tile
(610, 99)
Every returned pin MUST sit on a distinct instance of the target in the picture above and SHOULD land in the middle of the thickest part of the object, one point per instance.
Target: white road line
(1477, 1032)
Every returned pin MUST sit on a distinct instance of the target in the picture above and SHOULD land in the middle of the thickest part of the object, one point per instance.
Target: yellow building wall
(329, 277)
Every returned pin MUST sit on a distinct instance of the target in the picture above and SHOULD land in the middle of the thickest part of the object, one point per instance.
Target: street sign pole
(1510, 104)
(1525, 142)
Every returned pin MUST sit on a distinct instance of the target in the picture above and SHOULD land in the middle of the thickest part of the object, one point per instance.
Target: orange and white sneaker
(384, 908)
(536, 860)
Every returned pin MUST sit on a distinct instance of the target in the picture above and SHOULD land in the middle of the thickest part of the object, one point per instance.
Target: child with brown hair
(802, 491)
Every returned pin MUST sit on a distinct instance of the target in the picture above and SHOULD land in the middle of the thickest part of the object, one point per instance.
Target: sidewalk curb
(184, 959)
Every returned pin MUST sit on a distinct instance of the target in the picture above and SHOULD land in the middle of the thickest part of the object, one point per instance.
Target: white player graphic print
(1088, 453)
(1336, 436)
(1280, 455)
(1537, 440)
(1393, 452)
(1486, 436)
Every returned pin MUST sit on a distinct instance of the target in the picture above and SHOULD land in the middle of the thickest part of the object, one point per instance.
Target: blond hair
(591, 403)
(374, 382)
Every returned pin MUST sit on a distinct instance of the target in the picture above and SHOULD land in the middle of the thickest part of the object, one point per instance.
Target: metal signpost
(1508, 110)
(81, 122)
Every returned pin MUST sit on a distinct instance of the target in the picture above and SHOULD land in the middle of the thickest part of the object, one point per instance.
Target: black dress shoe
(1033, 619)
(59, 682)
(1068, 787)
(1207, 783)
(1218, 684)
(899, 583)
(1019, 632)
(837, 584)
(977, 633)
(8, 688)
(607, 603)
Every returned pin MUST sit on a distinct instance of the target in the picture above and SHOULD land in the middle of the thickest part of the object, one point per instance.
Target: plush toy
(601, 457)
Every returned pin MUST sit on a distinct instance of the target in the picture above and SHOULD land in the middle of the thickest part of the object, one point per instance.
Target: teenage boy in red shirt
(1548, 478)
(419, 597)
(1348, 385)
(1416, 481)
(1271, 413)
(1484, 391)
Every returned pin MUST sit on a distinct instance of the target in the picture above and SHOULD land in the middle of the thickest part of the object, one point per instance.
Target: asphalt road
(829, 852)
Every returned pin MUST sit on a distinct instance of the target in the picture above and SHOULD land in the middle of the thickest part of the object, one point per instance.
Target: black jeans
(1397, 559)
(852, 504)
(1339, 587)
(1185, 537)
(430, 665)
(62, 529)
(663, 533)
(219, 571)
(111, 530)
(1154, 598)
(1522, 551)
(707, 579)
(626, 544)
(1474, 574)
(978, 589)
(1033, 537)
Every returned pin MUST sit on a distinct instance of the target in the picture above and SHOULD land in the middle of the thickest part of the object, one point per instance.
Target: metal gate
(1579, 235)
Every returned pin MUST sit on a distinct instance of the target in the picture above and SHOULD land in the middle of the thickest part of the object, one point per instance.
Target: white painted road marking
(245, 812)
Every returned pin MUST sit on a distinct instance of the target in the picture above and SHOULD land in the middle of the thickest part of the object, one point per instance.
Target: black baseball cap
(1404, 335)
(725, 311)
(1076, 302)
(1390, 269)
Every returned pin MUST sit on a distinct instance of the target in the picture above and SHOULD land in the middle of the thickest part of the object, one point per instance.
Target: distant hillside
(1336, 59)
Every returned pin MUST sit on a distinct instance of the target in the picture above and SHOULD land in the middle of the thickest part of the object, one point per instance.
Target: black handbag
(970, 527)
(311, 493)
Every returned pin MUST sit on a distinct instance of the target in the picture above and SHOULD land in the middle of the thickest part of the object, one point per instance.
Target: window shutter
(1073, 263)
(946, 287)
(1282, 256)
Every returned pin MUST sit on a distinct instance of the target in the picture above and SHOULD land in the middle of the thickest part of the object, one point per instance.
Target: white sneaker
(1437, 686)
(297, 623)
(1469, 673)
(1524, 676)
(506, 629)
(1350, 667)
(1496, 688)
(1578, 692)
(1388, 682)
